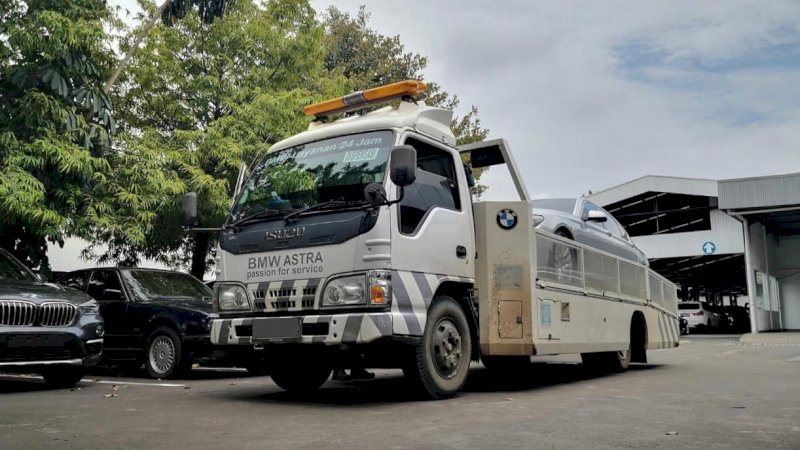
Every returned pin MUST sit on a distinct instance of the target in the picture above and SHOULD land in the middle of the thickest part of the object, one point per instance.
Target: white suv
(697, 314)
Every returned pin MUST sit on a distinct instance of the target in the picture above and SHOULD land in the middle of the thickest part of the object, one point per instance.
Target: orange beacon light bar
(360, 99)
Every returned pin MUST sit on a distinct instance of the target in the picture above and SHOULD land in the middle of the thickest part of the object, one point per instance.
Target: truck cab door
(433, 229)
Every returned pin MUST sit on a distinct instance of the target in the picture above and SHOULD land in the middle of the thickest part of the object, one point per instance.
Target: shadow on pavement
(395, 389)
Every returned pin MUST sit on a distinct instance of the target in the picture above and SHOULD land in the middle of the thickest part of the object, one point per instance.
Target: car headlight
(344, 291)
(231, 297)
(89, 307)
(537, 219)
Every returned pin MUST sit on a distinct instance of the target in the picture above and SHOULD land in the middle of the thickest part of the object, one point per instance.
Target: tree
(224, 92)
(169, 12)
(55, 120)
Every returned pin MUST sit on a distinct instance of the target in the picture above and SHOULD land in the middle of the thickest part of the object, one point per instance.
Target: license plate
(35, 340)
(277, 329)
(685, 315)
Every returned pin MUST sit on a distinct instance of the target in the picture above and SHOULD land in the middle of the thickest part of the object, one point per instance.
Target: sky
(591, 94)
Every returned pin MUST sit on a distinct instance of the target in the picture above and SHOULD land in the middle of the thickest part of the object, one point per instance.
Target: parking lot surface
(711, 392)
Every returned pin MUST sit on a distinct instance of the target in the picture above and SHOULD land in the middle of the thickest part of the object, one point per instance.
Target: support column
(749, 275)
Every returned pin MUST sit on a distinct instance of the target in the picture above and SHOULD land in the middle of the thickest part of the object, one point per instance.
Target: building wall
(787, 270)
(725, 232)
(763, 253)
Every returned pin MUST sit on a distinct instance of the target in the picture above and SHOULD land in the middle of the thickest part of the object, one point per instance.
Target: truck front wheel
(300, 377)
(440, 362)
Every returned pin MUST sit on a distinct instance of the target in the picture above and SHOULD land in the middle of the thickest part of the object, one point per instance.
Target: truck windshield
(332, 169)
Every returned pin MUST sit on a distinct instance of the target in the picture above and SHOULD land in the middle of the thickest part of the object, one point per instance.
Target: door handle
(461, 251)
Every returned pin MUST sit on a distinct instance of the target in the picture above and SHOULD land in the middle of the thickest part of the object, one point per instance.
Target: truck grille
(285, 296)
(57, 314)
(17, 313)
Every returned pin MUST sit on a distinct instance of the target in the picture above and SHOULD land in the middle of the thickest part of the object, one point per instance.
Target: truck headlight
(380, 287)
(344, 291)
(231, 297)
(90, 307)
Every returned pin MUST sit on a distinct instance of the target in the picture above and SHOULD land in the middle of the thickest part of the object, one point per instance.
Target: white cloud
(584, 108)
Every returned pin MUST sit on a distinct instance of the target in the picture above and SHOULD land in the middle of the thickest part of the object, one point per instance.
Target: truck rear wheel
(300, 377)
(608, 361)
(440, 363)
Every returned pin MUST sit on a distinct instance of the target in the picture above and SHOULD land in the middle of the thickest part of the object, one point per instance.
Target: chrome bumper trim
(71, 362)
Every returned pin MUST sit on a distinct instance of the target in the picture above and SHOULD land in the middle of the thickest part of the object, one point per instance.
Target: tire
(566, 261)
(439, 364)
(163, 354)
(608, 362)
(63, 376)
(300, 377)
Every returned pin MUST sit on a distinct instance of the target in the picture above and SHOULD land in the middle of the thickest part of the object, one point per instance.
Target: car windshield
(688, 306)
(559, 204)
(150, 285)
(11, 269)
(298, 177)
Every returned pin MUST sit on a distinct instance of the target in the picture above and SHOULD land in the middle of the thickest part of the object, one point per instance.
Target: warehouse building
(693, 233)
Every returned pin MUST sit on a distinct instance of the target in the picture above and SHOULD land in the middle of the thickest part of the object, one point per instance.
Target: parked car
(46, 328)
(157, 317)
(583, 221)
(698, 314)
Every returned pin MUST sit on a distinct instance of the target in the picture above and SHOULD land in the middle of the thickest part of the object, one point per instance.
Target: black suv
(46, 328)
(157, 317)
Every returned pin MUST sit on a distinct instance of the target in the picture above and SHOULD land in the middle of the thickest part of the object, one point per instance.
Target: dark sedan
(158, 317)
(46, 328)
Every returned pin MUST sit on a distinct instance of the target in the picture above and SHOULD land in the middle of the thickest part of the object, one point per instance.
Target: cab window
(435, 186)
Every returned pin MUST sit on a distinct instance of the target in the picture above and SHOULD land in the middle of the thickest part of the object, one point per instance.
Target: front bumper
(36, 346)
(333, 329)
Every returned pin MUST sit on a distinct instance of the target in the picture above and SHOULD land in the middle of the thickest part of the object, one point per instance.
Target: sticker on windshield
(367, 154)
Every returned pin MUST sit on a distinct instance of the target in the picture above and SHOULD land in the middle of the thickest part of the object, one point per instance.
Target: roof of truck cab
(428, 120)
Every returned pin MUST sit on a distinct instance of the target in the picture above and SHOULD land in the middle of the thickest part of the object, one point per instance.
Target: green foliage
(55, 120)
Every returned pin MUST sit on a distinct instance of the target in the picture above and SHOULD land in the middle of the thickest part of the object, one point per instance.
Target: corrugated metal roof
(760, 192)
(656, 183)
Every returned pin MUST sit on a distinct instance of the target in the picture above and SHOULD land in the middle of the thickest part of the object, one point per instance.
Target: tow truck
(357, 242)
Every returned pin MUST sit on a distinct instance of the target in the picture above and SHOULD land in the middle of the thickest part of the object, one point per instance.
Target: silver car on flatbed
(583, 221)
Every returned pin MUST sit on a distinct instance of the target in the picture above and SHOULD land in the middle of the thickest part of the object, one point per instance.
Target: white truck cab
(358, 240)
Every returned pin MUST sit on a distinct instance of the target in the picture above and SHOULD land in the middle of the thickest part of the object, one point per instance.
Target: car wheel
(63, 376)
(163, 357)
(565, 259)
(439, 364)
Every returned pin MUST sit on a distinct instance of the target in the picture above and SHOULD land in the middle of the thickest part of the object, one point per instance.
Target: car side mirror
(112, 294)
(470, 176)
(403, 165)
(189, 210)
(596, 216)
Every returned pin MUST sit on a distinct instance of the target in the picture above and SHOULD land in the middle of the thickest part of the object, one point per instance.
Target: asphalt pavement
(711, 392)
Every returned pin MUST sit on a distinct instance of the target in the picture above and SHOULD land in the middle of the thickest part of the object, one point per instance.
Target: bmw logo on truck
(507, 219)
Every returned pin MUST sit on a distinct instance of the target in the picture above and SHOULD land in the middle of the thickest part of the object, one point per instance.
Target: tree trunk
(199, 255)
(139, 38)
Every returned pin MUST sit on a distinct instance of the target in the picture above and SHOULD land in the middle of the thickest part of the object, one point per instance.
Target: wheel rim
(446, 348)
(162, 354)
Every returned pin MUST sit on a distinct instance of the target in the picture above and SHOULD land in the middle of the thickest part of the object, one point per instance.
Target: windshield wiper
(266, 214)
(332, 204)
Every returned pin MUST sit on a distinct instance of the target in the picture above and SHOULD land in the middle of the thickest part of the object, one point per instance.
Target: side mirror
(112, 294)
(189, 215)
(403, 166)
(596, 216)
